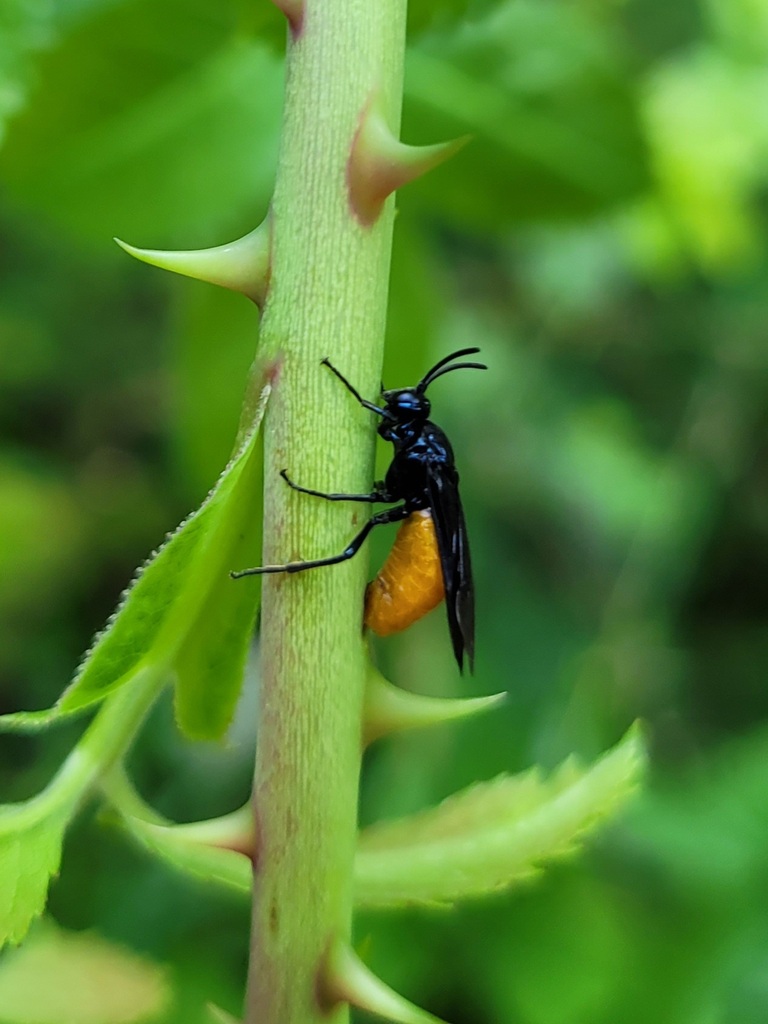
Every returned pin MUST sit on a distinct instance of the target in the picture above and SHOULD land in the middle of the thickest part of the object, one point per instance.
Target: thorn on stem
(243, 265)
(379, 163)
(294, 13)
(344, 978)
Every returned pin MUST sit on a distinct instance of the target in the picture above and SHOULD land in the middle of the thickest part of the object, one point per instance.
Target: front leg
(378, 495)
(350, 387)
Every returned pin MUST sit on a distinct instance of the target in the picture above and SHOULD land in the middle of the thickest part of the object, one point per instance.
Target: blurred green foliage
(603, 240)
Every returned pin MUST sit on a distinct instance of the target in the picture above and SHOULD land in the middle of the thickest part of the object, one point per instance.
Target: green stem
(104, 742)
(327, 298)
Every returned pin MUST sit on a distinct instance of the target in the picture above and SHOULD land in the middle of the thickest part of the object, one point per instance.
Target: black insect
(430, 558)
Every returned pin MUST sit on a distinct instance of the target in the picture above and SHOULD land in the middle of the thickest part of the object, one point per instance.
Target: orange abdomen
(410, 582)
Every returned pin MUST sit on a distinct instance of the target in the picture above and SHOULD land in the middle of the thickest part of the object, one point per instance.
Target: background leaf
(555, 127)
(167, 75)
(26, 28)
(87, 981)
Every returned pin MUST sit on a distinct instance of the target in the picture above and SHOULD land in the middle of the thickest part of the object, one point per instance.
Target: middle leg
(378, 495)
(389, 515)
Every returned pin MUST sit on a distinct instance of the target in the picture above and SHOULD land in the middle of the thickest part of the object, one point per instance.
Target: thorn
(379, 163)
(390, 709)
(294, 12)
(346, 979)
(219, 1016)
(242, 265)
(235, 831)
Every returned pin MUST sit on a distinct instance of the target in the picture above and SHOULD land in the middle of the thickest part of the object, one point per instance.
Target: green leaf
(78, 978)
(172, 610)
(211, 660)
(490, 836)
(30, 721)
(704, 112)
(183, 611)
(548, 98)
(426, 14)
(140, 121)
(494, 834)
(31, 836)
(31, 833)
(26, 26)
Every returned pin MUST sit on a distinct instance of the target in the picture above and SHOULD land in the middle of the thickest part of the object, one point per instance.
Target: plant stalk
(327, 297)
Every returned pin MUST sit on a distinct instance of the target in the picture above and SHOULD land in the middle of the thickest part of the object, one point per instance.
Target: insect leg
(375, 496)
(389, 515)
(355, 392)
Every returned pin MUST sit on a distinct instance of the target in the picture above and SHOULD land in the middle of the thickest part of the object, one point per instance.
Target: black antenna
(440, 368)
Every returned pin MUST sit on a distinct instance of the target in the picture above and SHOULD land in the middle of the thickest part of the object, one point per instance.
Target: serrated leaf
(32, 832)
(183, 611)
(211, 661)
(490, 836)
(78, 978)
(494, 834)
(30, 721)
(164, 613)
(30, 851)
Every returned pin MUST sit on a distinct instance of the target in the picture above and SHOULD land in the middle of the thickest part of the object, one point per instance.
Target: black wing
(453, 545)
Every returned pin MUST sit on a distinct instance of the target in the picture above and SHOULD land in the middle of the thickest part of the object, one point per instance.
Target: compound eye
(407, 404)
(409, 401)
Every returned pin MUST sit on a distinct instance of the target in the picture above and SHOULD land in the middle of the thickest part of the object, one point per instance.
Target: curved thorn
(219, 1016)
(379, 163)
(234, 831)
(389, 709)
(294, 13)
(344, 978)
(242, 265)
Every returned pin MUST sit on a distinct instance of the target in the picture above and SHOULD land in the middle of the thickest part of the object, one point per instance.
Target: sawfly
(430, 558)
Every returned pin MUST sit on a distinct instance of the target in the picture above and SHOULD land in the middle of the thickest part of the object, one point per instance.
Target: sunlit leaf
(31, 832)
(175, 599)
(31, 836)
(494, 834)
(183, 611)
(708, 130)
(78, 978)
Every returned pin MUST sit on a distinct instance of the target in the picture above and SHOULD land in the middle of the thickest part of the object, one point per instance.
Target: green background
(603, 240)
